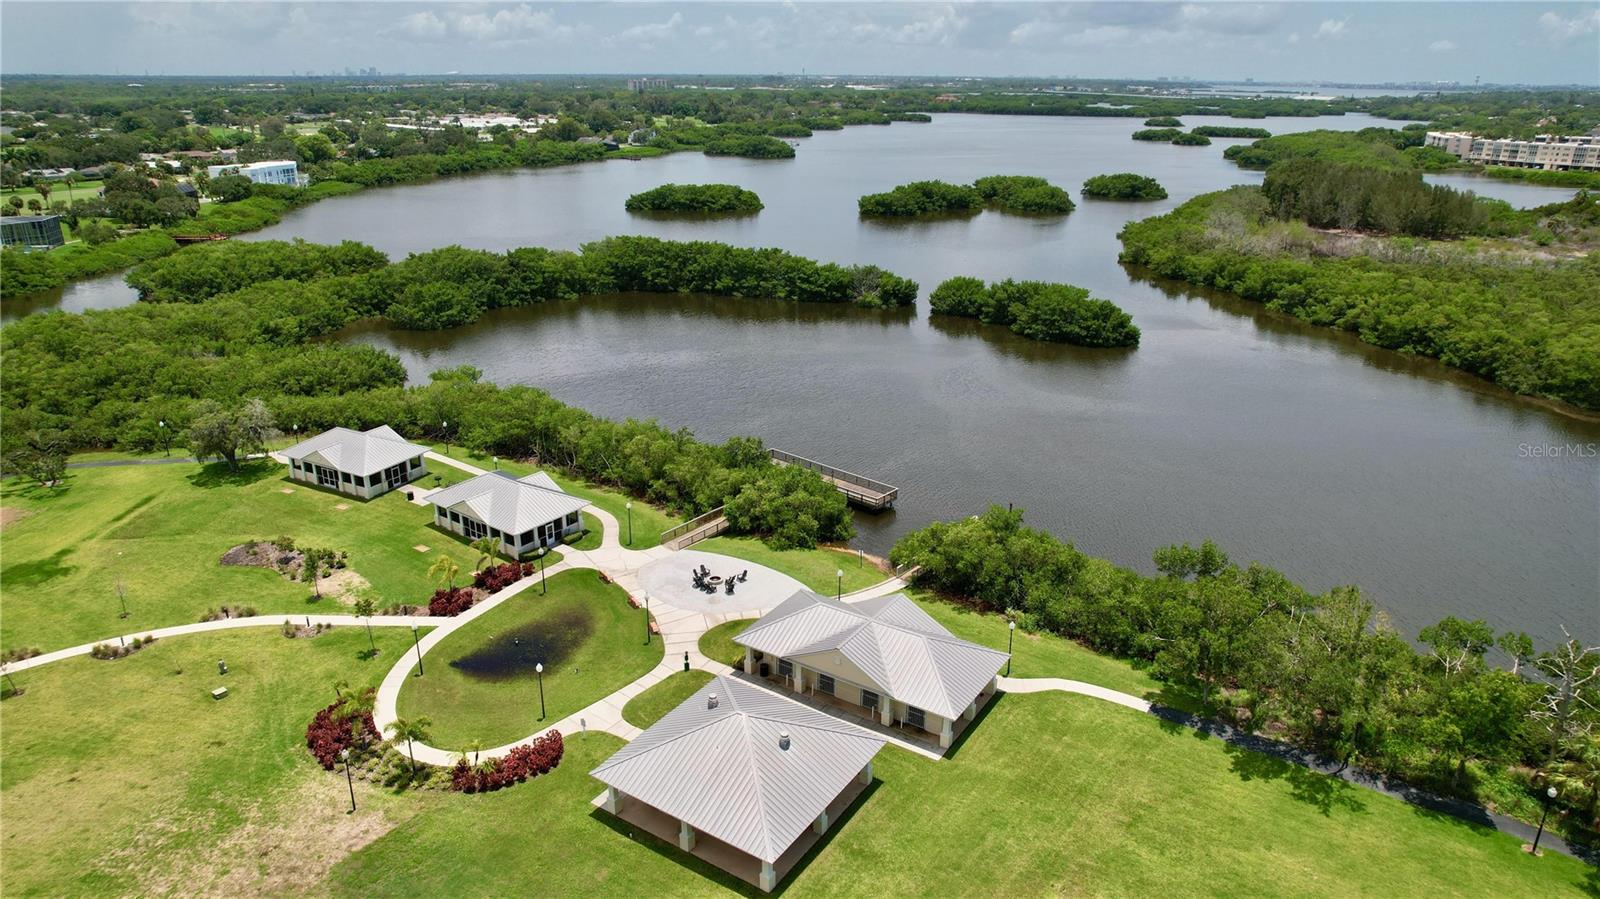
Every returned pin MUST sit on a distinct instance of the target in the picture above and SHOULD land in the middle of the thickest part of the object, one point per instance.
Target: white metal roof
(357, 452)
(723, 770)
(501, 501)
(900, 647)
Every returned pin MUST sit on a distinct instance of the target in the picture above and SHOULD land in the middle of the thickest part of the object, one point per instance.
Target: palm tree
(487, 548)
(413, 729)
(445, 569)
(476, 748)
(339, 686)
(43, 187)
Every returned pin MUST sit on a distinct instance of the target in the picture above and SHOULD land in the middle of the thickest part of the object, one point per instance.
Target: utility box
(219, 693)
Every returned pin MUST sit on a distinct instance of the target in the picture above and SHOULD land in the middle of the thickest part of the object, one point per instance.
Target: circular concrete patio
(669, 580)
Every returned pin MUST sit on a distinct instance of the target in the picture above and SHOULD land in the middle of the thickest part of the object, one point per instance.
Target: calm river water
(1296, 446)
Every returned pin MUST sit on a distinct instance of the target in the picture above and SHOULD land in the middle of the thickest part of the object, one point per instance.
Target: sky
(1372, 42)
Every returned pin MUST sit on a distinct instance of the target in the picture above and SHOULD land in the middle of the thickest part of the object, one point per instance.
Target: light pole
(162, 424)
(629, 507)
(542, 551)
(839, 583)
(647, 619)
(1011, 636)
(539, 670)
(418, 644)
(496, 461)
(349, 781)
(444, 431)
(1549, 796)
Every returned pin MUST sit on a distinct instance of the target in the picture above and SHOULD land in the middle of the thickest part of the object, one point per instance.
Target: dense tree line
(1124, 186)
(1320, 670)
(1163, 121)
(1530, 325)
(1191, 140)
(1158, 135)
(1378, 148)
(1333, 195)
(922, 198)
(1228, 131)
(703, 198)
(1059, 313)
(1023, 194)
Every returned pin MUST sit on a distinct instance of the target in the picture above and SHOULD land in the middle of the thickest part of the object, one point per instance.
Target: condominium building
(276, 171)
(1557, 152)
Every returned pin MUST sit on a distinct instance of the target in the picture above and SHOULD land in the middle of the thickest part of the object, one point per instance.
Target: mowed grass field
(59, 193)
(816, 568)
(126, 778)
(648, 707)
(590, 638)
(162, 530)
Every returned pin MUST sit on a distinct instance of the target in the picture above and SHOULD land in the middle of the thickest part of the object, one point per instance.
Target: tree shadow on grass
(38, 571)
(217, 474)
(1320, 791)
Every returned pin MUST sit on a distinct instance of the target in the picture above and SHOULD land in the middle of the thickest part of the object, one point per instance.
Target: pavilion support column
(821, 824)
(887, 712)
(749, 660)
(946, 734)
(685, 836)
(769, 877)
(971, 711)
(613, 803)
(799, 679)
(866, 774)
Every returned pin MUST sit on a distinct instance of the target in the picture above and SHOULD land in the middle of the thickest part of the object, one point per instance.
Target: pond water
(513, 654)
(1294, 445)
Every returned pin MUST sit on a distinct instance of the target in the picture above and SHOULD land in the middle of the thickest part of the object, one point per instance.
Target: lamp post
(162, 424)
(1549, 796)
(539, 670)
(838, 575)
(1011, 636)
(349, 781)
(647, 619)
(496, 461)
(542, 551)
(629, 507)
(444, 431)
(418, 644)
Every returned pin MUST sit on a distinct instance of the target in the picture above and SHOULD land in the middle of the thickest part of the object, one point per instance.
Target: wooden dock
(862, 491)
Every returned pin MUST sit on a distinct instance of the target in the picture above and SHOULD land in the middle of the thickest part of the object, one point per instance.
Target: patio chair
(730, 586)
(744, 575)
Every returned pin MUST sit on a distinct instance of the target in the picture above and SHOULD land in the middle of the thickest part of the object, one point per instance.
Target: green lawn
(648, 707)
(1050, 794)
(718, 644)
(162, 530)
(127, 778)
(611, 655)
(648, 521)
(59, 192)
(816, 568)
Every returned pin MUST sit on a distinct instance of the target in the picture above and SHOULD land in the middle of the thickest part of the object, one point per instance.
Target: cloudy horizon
(1507, 42)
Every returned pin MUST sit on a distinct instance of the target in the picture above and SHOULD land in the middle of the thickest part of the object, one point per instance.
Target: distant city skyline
(1352, 43)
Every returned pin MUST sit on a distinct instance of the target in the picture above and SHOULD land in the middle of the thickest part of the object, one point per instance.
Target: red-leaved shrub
(333, 729)
(522, 762)
(451, 602)
(498, 577)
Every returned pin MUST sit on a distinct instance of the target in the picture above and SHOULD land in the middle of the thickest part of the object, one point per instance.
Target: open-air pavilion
(740, 776)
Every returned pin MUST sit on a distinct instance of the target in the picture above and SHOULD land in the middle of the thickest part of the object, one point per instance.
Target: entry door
(547, 533)
(327, 477)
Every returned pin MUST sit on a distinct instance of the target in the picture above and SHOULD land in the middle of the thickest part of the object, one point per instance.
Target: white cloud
(424, 25)
(1294, 37)
(1332, 29)
(1561, 30)
(1442, 46)
(650, 34)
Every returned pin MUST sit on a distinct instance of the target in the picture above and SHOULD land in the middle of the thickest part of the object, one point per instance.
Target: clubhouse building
(522, 514)
(364, 464)
(885, 658)
(741, 776)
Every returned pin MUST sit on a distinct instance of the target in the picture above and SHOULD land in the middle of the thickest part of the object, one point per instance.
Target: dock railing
(695, 529)
(857, 487)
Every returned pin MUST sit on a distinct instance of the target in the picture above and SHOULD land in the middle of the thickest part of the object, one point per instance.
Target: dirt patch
(10, 515)
(344, 585)
(285, 490)
(262, 555)
(280, 849)
(514, 653)
(342, 507)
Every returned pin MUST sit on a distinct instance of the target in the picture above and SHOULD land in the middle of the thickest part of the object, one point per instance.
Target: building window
(438, 512)
(825, 683)
(416, 463)
(455, 517)
(869, 700)
(495, 533)
(785, 668)
(474, 529)
(572, 519)
(916, 717)
(525, 539)
(344, 476)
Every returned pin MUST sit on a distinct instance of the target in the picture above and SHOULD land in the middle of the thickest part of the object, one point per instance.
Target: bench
(219, 692)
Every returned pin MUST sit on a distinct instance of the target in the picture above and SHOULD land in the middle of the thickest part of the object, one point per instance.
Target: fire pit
(714, 581)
